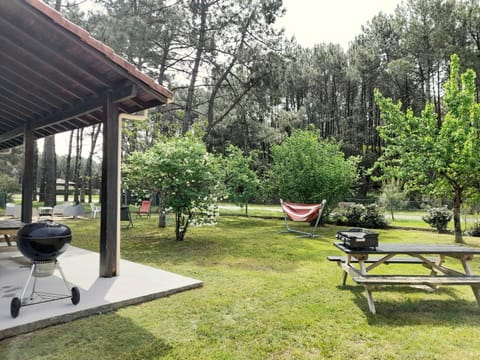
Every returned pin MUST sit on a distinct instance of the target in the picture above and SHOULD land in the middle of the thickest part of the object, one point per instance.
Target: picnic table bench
(355, 263)
(9, 229)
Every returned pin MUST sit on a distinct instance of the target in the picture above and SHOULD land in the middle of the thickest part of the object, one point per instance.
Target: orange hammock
(302, 212)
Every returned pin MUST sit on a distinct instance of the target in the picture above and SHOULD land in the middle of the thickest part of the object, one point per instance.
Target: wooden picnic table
(9, 229)
(359, 262)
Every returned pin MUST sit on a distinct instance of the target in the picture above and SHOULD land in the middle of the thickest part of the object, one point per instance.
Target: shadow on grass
(411, 306)
(93, 335)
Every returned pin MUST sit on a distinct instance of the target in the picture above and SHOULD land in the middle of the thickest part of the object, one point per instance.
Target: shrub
(307, 169)
(358, 215)
(182, 172)
(438, 218)
(9, 185)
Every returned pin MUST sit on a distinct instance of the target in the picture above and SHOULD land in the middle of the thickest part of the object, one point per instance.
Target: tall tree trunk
(35, 171)
(200, 47)
(50, 173)
(162, 216)
(68, 168)
(457, 224)
(94, 137)
(163, 63)
(77, 167)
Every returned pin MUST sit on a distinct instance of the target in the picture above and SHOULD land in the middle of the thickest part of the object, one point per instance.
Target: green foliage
(392, 197)
(438, 218)
(308, 169)
(182, 171)
(436, 157)
(358, 215)
(9, 185)
(241, 182)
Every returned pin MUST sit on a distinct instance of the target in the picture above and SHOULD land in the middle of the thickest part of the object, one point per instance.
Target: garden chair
(96, 209)
(144, 208)
(304, 213)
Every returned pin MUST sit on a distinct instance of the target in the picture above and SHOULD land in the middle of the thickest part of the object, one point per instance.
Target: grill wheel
(75, 295)
(15, 307)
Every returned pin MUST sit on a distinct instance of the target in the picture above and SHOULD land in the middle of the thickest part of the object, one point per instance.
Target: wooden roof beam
(21, 100)
(37, 46)
(14, 107)
(22, 53)
(9, 117)
(78, 110)
(29, 90)
(28, 71)
(97, 49)
(26, 81)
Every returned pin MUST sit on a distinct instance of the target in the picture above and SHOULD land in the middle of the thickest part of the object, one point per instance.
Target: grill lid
(44, 240)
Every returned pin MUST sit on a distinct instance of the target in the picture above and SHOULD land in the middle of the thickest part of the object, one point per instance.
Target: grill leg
(67, 284)
(32, 269)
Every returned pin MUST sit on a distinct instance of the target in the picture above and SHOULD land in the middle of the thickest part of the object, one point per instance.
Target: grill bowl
(43, 241)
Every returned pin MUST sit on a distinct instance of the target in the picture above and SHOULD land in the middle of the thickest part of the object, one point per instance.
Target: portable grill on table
(358, 238)
(42, 243)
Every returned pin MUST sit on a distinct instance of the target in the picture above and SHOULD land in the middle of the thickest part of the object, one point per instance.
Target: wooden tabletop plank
(406, 248)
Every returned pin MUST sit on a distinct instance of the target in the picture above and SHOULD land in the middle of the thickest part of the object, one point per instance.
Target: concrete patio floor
(137, 283)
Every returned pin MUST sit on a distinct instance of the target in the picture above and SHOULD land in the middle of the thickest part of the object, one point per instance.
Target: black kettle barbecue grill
(43, 242)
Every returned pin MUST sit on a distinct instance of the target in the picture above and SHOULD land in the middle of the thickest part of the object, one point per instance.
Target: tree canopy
(240, 180)
(239, 80)
(181, 171)
(307, 169)
(436, 156)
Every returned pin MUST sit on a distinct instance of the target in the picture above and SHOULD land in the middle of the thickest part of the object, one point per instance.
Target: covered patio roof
(55, 76)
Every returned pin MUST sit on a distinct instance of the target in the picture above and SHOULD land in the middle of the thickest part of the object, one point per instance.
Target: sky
(315, 21)
(336, 21)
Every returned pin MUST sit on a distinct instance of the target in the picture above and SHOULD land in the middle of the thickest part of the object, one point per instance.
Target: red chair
(302, 212)
(144, 208)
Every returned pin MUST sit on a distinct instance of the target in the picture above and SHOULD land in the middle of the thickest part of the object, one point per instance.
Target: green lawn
(266, 295)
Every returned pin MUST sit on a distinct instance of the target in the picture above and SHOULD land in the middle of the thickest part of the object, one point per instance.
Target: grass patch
(266, 295)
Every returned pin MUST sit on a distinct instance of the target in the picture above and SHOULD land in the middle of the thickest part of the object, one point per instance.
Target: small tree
(392, 196)
(241, 182)
(182, 171)
(9, 185)
(308, 169)
(436, 156)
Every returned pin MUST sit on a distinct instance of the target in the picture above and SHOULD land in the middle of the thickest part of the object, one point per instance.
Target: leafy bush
(9, 185)
(182, 172)
(308, 169)
(438, 218)
(358, 215)
(240, 180)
